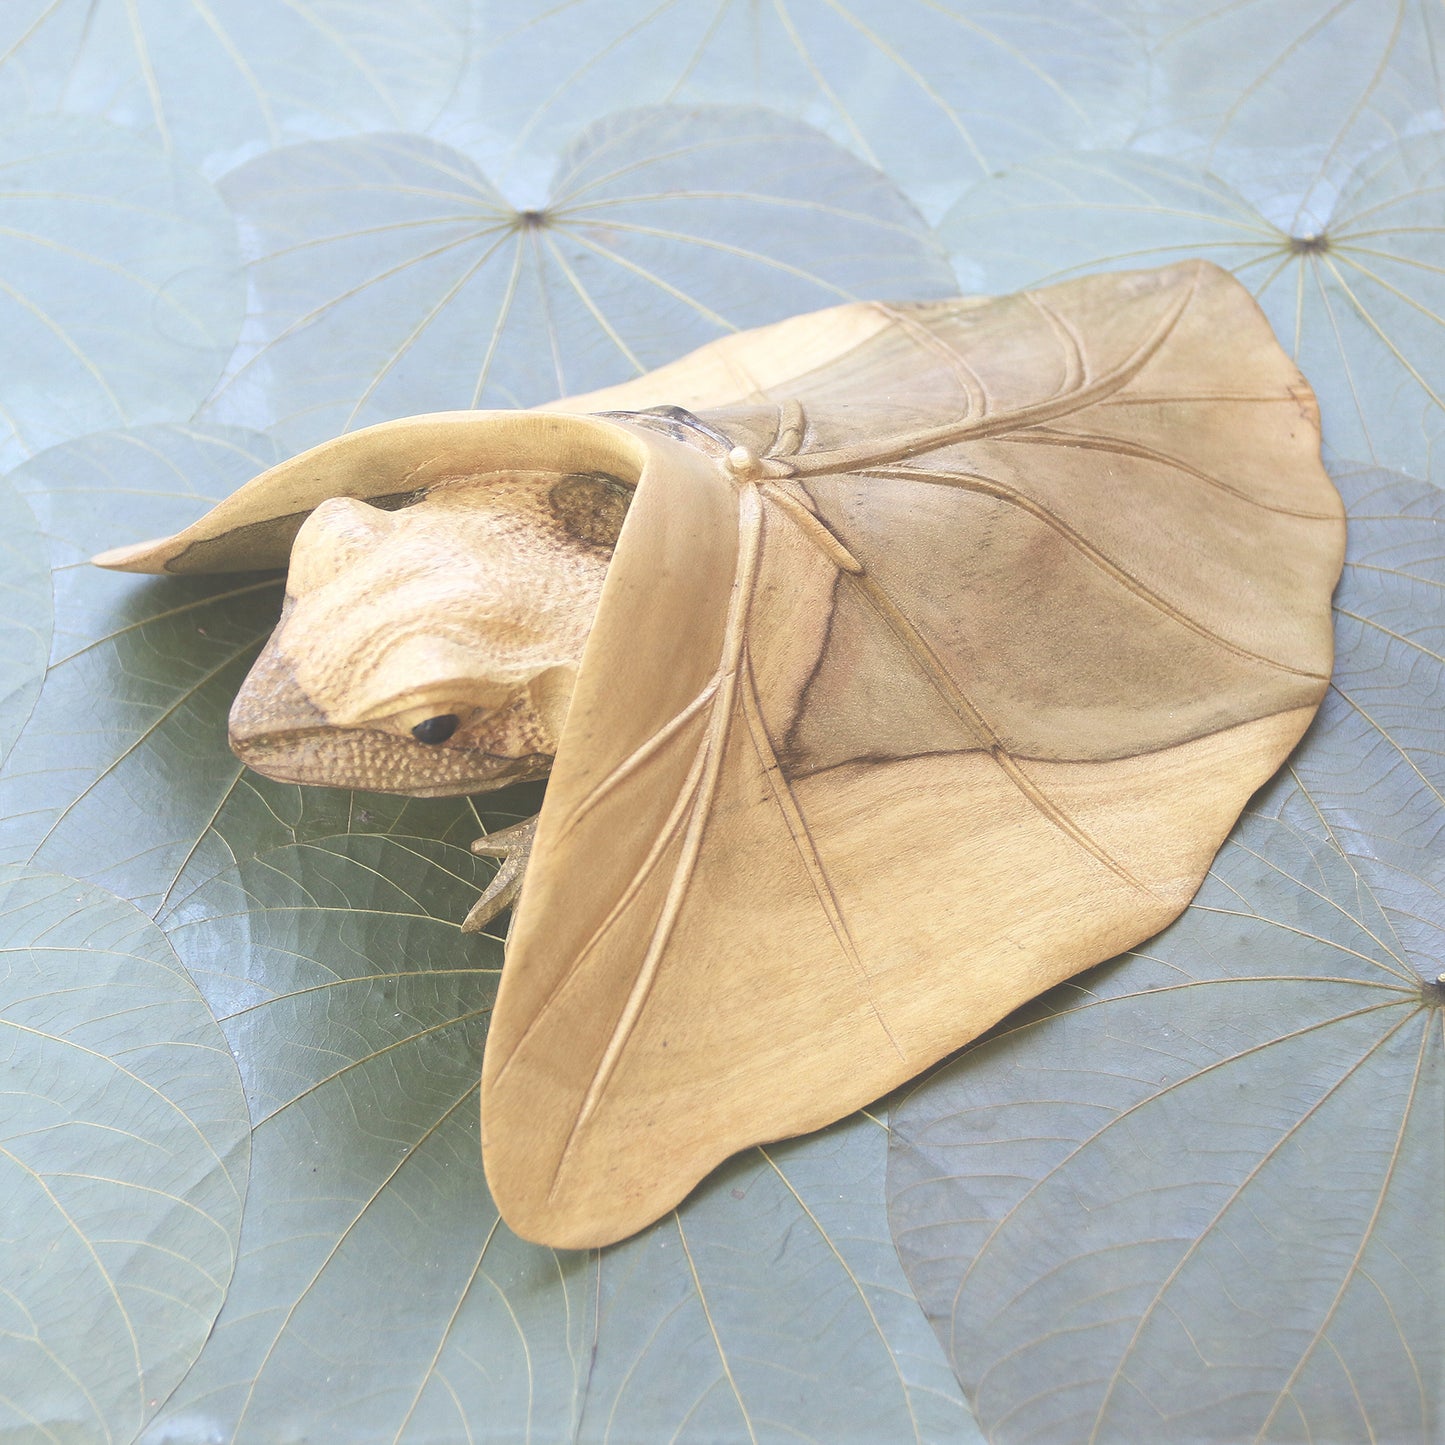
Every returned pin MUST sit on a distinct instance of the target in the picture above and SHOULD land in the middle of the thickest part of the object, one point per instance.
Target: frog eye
(435, 729)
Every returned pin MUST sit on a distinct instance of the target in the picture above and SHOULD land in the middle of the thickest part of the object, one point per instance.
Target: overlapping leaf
(120, 295)
(1284, 97)
(934, 92)
(215, 81)
(122, 744)
(123, 1155)
(1196, 1198)
(393, 278)
(25, 614)
(357, 1013)
(1374, 772)
(809, 1333)
(1360, 304)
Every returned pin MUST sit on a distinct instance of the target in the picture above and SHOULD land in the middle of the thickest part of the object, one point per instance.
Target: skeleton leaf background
(1193, 1195)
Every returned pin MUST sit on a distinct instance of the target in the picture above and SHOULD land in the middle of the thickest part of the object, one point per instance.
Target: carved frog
(433, 649)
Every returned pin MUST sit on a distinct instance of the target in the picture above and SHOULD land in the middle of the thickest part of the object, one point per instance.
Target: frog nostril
(435, 729)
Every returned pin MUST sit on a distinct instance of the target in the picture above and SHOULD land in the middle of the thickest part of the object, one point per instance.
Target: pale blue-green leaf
(122, 756)
(321, 928)
(218, 81)
(123, 1160)
(357, 1014)
(1283, 97)
(935, 92)
(390, 277)
(1360, 304)
(1435, 443)
(120, 292)
(371, 1255)
(115, 487)
(1374, 769)
(1196, 1195)
(26, 610)
(808, 1333)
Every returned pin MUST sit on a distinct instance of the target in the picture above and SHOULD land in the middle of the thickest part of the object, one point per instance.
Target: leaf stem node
(743, 463)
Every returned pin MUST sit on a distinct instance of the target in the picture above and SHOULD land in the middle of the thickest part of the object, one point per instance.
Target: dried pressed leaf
(933, 92)
(1062, 559)
(216, 81)
(120, 292)
(123, 1156)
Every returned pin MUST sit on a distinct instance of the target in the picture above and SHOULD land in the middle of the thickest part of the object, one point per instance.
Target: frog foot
(514, 846)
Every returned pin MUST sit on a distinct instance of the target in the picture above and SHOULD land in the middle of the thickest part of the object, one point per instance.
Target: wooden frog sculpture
(893, 663)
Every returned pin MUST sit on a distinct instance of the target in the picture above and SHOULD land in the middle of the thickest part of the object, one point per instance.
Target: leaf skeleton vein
(1169, 1087)
(359, 1213)
(807, 848)
(1090, 441)
(643, 273)
(666, 835)
(866, 455)
(361, 1061)
(1390, 740)
(712, 751)
(854, 1281)
(825, 87)
(315, 313)
(722, 1353)
(431, 1371)
(594, 310)
(112, 1289)
(925, 86)
(1364, 313)
(732, 197)
(431, 314)
(1118, 1373)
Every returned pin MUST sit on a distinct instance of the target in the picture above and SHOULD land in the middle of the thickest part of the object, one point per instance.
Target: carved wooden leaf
(955, 693)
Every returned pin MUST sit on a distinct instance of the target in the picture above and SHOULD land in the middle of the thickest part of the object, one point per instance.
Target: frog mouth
(379, 762)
